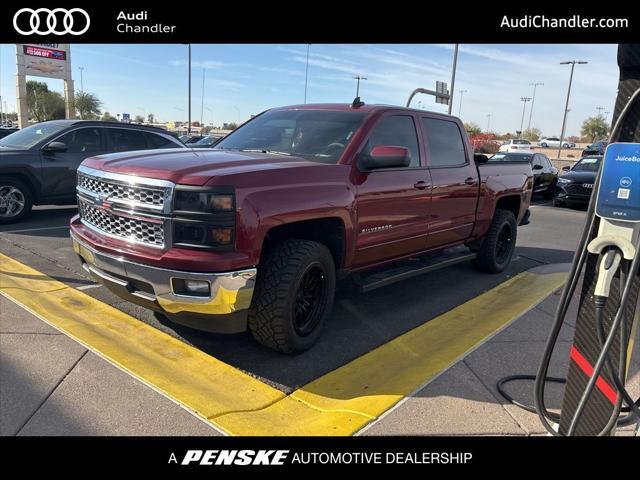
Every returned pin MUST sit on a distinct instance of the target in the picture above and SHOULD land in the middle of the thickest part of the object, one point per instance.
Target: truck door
(59, 168)
(392, 204)
(455, 183)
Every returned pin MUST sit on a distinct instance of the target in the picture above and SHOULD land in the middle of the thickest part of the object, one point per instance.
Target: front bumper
(224, 310)
(572, 193)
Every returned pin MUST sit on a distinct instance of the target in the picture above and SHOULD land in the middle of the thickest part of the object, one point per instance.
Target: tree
(42, 103)
(87, 105)
(151, 118)
(139, 119)
(107, 117)
(472, 128)
(594, 128)
(532, 134)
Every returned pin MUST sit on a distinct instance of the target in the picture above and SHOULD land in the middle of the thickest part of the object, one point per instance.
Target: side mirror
(537, 167)
(384, 156)
(55, 147)
(480, 158)
(566, 168)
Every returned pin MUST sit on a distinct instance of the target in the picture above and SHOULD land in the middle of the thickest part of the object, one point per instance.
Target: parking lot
(420, 325)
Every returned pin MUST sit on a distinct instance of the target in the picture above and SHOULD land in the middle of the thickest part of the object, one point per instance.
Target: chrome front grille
(136, 209)
(128, 228)
(127, 193)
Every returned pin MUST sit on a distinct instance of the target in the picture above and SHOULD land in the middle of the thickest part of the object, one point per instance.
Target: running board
(412, 267)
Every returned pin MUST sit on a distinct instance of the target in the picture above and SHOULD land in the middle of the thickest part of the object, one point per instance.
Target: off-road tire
(271, 315)
(26, 194)
(488, 258)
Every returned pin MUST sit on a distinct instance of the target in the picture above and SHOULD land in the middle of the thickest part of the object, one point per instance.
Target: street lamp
(453, 76)
(524, 101)
(462, 92)
(533, 99)
(489, 115)
(566, 105)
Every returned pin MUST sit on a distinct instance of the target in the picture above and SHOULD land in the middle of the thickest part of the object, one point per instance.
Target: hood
(190, 166)
(580, 177)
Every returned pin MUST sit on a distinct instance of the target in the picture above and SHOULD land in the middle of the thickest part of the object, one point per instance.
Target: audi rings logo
(46, 21)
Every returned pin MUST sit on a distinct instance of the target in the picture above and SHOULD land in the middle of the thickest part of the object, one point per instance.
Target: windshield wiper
(264, 150)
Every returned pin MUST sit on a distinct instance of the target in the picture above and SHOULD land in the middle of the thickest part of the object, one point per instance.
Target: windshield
(317, 135)
(521, 142)
(30, 136)
(510, 157)
(588, 164)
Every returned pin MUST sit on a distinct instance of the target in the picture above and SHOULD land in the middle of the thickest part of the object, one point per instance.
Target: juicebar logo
(56, 21)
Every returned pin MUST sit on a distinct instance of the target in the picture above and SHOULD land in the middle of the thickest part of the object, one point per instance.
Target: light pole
(566, 105)
(524, 101)
(81, 82)
(489, 115)
(358, 78)
(453, 76)
(189, 112)
(533, 99)
(599, 109)
(462, 92)
(306, 74)
(202, 100)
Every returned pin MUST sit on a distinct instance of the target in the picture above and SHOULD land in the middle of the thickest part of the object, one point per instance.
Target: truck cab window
(396, 131)
(444, 142)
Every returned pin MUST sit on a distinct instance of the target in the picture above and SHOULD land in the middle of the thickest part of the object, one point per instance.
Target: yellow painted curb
(338, 403)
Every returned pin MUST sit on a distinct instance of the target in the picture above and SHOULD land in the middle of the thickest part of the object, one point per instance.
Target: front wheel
(293, 295)
(15, 200)
(543, 145)
(498, 244)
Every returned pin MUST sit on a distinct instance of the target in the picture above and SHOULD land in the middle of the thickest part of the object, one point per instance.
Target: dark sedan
(596, 148)
(206, 142)
(545, 175)
(576, 185)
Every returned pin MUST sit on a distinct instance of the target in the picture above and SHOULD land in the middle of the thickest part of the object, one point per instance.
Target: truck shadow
(359, 322)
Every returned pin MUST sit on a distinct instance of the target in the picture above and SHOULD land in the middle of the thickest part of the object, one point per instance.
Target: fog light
(198, 288)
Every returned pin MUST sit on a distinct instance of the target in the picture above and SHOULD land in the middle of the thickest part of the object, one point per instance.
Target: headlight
(203, 201)
(564, 180)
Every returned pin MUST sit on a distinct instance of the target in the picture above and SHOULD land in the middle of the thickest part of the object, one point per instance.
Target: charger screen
(619, 193)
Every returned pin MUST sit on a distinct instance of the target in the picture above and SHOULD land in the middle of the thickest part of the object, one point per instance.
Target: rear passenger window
(124, 140)
(446, 148)
(158, 141)
(396, 131)
(82, 140)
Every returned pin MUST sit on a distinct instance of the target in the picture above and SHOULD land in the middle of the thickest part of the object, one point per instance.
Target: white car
(554, 142)
(516, 145)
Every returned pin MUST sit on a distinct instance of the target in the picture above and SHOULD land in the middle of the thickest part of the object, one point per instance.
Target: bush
(484, 143)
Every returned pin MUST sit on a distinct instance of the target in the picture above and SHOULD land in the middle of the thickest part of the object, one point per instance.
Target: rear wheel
(544, 145)
(499, 243)
(293, 295)
(16, 200)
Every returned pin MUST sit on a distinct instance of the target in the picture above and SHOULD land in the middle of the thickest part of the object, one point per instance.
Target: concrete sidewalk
(464, 400)
(51, 385)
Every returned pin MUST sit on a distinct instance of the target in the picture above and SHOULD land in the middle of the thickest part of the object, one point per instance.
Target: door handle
(421, 185)
(470, 181)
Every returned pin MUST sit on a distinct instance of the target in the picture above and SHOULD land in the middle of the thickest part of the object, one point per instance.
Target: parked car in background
(4, 131)
(206, 142)
(187, 139)
(545, 175)
(38, 163)
(516, 145)
(263, 225)
(554, 142)
(575, 186)
(596, 148)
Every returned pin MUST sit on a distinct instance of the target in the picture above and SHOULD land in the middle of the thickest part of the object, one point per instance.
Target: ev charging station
(607, 259)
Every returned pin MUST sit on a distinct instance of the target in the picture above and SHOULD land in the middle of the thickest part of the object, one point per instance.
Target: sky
(241, 80)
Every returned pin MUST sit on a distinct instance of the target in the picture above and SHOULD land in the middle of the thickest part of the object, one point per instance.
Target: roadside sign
(441, 87)
(126, 118)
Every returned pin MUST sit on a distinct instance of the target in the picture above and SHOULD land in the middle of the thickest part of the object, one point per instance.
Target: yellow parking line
(338, 403)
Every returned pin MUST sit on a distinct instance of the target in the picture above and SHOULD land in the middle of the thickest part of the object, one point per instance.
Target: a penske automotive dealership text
(284, 457)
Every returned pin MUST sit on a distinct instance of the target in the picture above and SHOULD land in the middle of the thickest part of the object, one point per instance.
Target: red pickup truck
(257, 230)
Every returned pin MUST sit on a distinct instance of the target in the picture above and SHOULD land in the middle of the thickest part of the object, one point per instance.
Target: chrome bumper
(231, 292)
